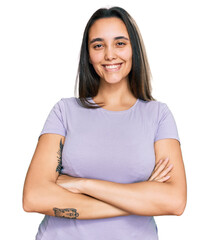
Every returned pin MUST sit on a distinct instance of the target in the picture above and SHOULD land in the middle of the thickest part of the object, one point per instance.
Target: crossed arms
(48, 192)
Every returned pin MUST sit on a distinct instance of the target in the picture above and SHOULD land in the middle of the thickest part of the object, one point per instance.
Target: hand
(72, 184)
(160, 172)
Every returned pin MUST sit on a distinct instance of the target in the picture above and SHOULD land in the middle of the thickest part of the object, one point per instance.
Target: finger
(163, 179)
(158, 164)
(165, 171)
(154, 174)
(161, 166)
(161, 163)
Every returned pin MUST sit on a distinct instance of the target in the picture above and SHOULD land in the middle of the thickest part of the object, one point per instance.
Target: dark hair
(140, 74)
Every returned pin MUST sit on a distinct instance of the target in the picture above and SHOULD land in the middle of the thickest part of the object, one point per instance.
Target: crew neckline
(116, 112)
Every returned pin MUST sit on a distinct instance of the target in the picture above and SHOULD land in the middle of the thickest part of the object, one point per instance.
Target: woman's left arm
(149, 198)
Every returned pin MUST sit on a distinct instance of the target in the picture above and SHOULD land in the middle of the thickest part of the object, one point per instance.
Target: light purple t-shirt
(115, 146)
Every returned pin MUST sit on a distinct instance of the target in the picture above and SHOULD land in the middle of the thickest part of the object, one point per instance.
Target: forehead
(108, 28)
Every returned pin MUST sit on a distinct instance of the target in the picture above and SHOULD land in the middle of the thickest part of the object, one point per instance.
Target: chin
(113, 79)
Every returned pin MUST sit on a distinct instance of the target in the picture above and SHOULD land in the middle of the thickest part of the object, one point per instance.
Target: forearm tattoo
(66, 213)
(59, 157)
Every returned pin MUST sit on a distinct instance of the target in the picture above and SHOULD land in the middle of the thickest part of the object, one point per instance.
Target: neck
(116, 94)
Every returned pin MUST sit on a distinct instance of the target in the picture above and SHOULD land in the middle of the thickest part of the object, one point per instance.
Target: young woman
(107, 161)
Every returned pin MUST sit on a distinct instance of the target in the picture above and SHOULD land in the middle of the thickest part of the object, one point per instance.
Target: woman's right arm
(41, 193)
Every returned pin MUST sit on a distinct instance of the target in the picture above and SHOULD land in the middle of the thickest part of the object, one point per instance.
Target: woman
(110, 160)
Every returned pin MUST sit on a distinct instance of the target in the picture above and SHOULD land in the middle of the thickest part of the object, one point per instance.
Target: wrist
(82, 185)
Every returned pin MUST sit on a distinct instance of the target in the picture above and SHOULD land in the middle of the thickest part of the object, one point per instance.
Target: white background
(39, 50)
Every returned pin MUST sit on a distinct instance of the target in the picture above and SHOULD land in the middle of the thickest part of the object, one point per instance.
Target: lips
(112, 67)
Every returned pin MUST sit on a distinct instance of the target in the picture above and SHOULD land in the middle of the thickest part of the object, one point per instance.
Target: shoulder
(64, 103)
(61, 107)
(69, 106)
(152, 107)
(66, 100)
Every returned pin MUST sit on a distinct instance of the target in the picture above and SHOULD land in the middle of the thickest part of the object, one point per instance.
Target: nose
(109, 54)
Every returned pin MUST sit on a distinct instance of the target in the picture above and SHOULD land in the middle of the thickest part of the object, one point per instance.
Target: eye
(97, 46)
(121, 44)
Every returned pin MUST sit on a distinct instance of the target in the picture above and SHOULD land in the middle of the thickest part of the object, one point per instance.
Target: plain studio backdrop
(39, 50)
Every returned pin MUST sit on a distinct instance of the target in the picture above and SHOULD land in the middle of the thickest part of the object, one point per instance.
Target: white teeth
(112, 66)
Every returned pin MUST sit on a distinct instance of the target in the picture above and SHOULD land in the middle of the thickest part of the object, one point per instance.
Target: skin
(41, 194)
(162, 194)
(105, 49)
(109, 45)
(114, 89)
(75, 185)
(47, 191)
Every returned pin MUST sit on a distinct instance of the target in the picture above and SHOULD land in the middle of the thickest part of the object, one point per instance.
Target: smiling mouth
(112, 67)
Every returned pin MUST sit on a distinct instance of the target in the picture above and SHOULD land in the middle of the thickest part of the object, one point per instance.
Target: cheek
(126, 55)
(95, 58)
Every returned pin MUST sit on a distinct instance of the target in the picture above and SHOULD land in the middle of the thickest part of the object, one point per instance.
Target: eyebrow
(102, 39)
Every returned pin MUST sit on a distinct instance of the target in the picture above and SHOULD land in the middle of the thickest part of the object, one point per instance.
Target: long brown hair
(140, 74)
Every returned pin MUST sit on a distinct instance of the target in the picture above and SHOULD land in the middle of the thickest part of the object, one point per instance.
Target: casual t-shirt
(115, 146)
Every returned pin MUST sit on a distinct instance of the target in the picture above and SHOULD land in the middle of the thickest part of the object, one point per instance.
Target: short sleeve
(166, 124)
(55, 122)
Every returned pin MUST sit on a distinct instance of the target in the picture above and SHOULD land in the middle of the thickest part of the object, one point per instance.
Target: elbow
(179, 206)
(180, 209)
(28, 201)
(26, 206)
(37, 198)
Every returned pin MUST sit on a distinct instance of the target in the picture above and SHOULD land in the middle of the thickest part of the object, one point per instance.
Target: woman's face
(110, 50)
